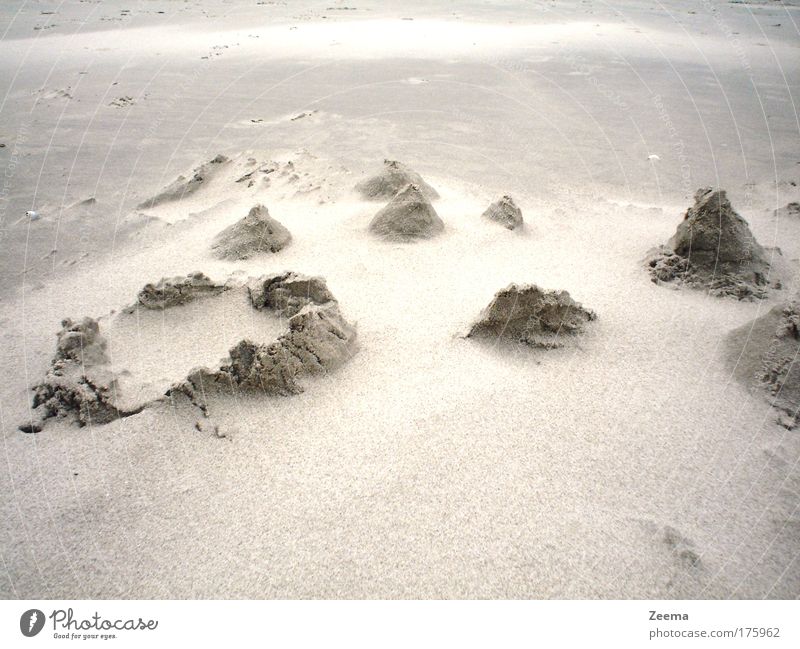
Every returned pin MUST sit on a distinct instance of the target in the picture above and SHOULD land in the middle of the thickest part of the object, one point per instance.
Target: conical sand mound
(714, 249)
(533, 316)
(255, 233)
(712, 233)
(409, 215)
(505, 212)
(394, 177)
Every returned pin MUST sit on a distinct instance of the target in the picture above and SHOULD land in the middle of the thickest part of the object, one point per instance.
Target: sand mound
(394, 177)
(81, 342)
(713, 249)
(288, 293)
(781, 364)
(409, 215)
(79, 381)
(174, 291)
(766, 354)
(319, 340)
(790, 210)
(87, 202)
(531, 315)
(505, 212)
(182, 186)
(256, 232)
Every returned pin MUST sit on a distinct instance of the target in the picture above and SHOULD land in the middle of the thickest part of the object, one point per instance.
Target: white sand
(429, 465)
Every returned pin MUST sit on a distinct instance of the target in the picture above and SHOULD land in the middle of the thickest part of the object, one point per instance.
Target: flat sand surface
(633, 463)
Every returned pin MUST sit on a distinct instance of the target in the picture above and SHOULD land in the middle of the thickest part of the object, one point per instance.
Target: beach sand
(632, 463)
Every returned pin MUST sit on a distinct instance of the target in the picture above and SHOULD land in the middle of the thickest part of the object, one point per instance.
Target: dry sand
(631, 463)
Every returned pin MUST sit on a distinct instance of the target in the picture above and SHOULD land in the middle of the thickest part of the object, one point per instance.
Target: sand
(257, 232)
(633, 463)
(530, 315)
(714, 250)
(505, 212)
(763, 355)
(407, 216)
(393, 177)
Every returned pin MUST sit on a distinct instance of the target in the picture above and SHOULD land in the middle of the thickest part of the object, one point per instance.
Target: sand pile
(409, 215)
(713, 249)
(531, 315)
(766, 354)
(79, 381)
(173, 291)
(256, 232)
(86, 203)
(790, 210)
(505, 212)
(781, 364)
(394, 177)
(182, 186)
(288, 293)
(318, 340)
